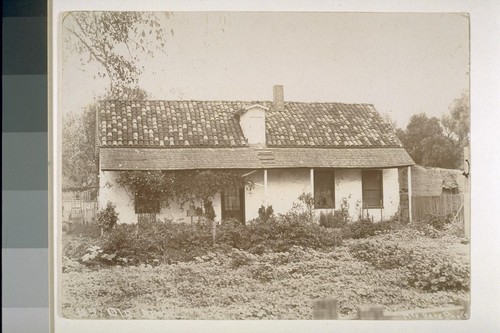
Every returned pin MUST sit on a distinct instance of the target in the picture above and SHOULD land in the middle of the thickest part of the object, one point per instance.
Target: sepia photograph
(264, 165)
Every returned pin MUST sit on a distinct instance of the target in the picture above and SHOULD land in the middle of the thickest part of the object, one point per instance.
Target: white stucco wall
(348, 185)
(284, 186)
(111, 191)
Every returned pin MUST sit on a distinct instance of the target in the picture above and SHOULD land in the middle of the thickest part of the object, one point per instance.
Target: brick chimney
(278, 98)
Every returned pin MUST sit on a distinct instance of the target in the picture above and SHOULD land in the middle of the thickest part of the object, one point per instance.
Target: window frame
(331, 174)
(364, 174)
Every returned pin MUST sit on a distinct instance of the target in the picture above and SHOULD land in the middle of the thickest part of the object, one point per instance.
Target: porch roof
(251, 158)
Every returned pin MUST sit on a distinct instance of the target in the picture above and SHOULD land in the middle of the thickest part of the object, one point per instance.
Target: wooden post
(371, 312)
(325, 308)
(214, 228)
(311, 176)
(265, 188)
(410, 214)
(467, 196)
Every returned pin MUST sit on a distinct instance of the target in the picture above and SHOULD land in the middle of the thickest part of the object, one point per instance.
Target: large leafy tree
(457, 123)
(427, 144)
(79, 158)
(116, 42)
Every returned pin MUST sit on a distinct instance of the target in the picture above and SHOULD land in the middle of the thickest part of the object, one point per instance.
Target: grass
(239, 285)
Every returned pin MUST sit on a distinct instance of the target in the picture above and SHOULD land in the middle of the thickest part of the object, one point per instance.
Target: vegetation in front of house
(271, 268)
(230, 283)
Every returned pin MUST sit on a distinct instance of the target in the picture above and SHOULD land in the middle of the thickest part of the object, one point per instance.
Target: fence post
(325, 308)
(371, 312)
(410, 194)
(467, 195)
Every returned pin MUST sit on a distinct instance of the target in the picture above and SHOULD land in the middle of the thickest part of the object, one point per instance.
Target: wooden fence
(79, 211)
(439, 205)
(327, 308)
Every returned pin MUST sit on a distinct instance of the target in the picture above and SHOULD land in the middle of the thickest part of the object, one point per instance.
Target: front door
(233, 204)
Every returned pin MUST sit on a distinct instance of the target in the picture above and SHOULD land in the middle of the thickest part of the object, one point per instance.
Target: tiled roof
(215, 124)
(250, 158)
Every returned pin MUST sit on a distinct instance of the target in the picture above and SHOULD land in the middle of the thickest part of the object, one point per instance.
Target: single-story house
(333, 151)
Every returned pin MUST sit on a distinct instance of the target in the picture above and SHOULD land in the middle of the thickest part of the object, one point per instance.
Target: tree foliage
(79, 158)
(427, 144)
(117, 41)
(457, 123)
(435, 142)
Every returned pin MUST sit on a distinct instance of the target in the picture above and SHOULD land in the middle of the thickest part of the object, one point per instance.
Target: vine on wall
(185, 186)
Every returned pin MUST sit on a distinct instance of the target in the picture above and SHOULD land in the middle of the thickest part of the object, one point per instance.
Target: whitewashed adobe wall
(286, 185)
(283, 190)
(348, 185)
(111, 191)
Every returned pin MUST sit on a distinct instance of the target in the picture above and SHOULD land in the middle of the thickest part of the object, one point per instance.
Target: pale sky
(402, 63)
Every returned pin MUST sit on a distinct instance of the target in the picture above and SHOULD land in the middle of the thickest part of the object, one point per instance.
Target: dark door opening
(233, 204)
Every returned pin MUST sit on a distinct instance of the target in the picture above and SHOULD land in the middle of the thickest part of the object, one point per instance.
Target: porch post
(410, 217)
(265, 187)
(311, 172)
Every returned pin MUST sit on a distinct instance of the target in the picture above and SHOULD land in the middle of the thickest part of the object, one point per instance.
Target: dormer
(253, 124)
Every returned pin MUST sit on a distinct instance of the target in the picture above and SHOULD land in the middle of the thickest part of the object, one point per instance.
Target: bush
(86, 230)
(157, 241)
(107, 217)
(429, 274)
(360, 229)
(438, 222)
(335, 219)
(437, 274)
(265, 213)
(276, 235)
(365, 228)
(382, 255)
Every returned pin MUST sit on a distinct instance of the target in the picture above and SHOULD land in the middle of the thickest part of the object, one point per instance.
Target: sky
(402, 63)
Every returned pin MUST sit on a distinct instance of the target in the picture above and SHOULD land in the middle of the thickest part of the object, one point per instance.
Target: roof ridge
(225, 100)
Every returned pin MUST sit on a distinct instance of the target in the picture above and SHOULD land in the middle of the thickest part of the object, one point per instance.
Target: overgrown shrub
(382, 255)
(365, 228)
(107, 217)
(265, 213)
(438, 273)
(333, 219)
(432, 274)
(276, 235)
(86, 230)
(436, 221)
(158, 241)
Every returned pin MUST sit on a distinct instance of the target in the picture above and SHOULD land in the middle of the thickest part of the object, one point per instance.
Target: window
(372, 189)
(145, 205)
(232, 199)
(324, 189)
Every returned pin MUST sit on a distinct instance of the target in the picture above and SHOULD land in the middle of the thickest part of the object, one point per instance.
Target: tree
(457, 123)
(117, 41)
(79, 158)
(427, 144)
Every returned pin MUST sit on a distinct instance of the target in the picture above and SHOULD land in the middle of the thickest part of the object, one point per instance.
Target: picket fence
(79, 211)
(327, 308)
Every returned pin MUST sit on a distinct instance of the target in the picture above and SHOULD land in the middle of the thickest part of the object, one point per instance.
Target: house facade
(338, 153)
